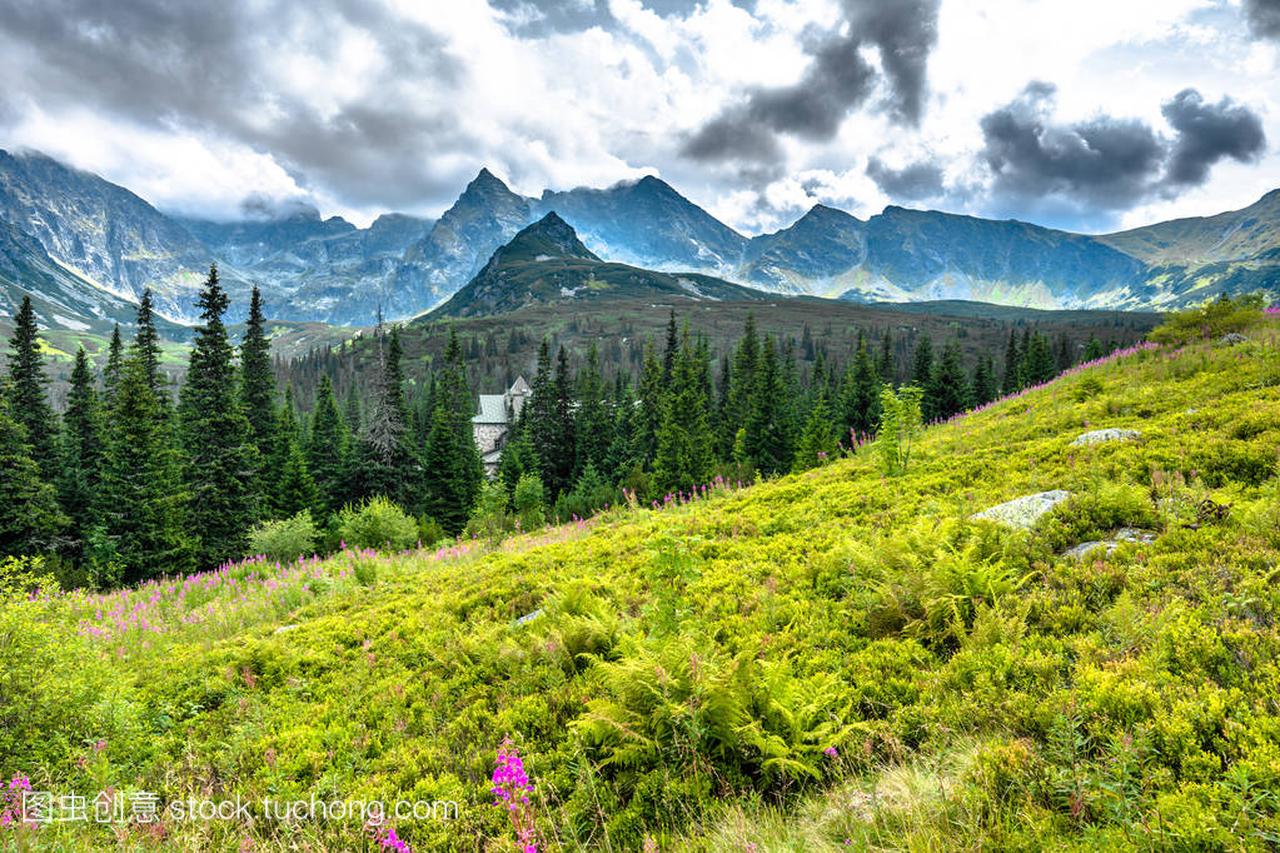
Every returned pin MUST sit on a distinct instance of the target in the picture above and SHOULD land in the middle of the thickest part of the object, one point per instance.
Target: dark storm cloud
(838, 81)
(1106, 162)
(1109, 164)
(1208, 133)
(198, 66)
(913, 182)
(1263, 17)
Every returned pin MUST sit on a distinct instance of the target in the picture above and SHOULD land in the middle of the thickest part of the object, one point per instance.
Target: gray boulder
(1025, 511)
(1232, 338)
(1100, 435)
(1124, 534)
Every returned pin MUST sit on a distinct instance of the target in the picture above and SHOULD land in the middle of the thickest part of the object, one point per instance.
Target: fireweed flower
(511, 789)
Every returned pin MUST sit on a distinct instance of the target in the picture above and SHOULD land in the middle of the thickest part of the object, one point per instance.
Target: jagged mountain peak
(486, 183)
(550, 237)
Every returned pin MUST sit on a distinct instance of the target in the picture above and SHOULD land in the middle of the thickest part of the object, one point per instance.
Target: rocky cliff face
(104, 233)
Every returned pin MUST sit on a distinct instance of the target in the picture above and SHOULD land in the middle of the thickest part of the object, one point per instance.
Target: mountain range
(86, 248)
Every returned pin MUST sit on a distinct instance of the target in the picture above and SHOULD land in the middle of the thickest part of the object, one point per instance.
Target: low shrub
(377, 523)
(285, 539)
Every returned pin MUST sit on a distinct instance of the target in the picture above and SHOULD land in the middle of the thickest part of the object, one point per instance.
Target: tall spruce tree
(558, 470)
(221, 458)
(984, 381)
(142, 500)
(146, 343)
(685, 451)
(452, 470)
(767, 440)
(922, 366)
(386, 464)
(1012, 358)
(885, 365)
(328, 450)
(817, 441)
(540, 414)
(30, 521)
(860, 397)
(746, 359)
(948, 392)
(593, 423)
(115, 358)
(29, 403)
(82, 450)
(257, 379)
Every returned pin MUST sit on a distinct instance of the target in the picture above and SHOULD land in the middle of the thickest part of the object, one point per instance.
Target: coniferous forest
(141, 477)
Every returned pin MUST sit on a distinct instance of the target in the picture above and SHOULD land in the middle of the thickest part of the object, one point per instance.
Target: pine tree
(386, 464)
(82, 449)
(818, 440)
(685, 451)
(558, 470)
(885, 366)
(922, 367)
(948, 392)
(352, 413)
(1038, 363)
(593, 423)
(257, 380)
(146, 343)
(30, 521)
(672, 349)
(741, 385)
(115, 358)
(540, 414)
(328, 450)
(452, 470)
(767, 439)
(984, 381)
(1093, 350)
(1012, 358)
(652, 400)
(623, 457)
(142, 502)
(221, 457)
(28, 402)
(860, 398)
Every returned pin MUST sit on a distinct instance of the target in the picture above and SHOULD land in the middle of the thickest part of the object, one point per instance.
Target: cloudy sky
(1085, 114)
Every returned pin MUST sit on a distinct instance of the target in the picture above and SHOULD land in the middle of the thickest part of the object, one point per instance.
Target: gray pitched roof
(493, 410)
(520, 387)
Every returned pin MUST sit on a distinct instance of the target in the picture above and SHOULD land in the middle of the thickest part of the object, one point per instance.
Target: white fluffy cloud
(368, 106)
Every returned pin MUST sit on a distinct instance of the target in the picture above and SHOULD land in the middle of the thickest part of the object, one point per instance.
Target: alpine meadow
(639, 425)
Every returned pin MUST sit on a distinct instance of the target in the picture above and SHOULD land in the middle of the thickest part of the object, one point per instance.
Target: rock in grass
(1124, 534)
(1023, 512)
(1100, 435)
(1232, 338)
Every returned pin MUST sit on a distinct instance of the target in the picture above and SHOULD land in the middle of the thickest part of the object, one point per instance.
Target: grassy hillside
(826, 659)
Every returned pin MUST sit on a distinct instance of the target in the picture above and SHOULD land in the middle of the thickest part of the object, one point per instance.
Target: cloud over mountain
(838, 81)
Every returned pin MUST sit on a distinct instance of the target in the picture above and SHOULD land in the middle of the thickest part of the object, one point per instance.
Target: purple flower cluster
(1144, 346)
(13, 813)
(1272, 310)
(511, 789)
(388, 840)
(680, 498)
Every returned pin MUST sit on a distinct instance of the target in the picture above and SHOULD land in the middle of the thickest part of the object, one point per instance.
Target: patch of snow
(692, 288)
(569, 291)
(541, 258)
(73, 325)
